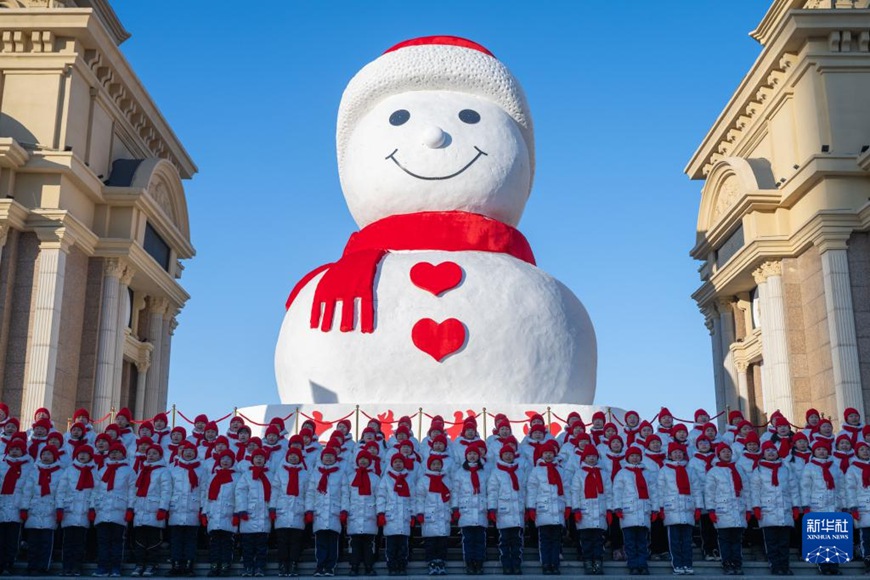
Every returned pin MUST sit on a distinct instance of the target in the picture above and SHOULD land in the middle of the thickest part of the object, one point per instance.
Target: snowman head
(435, 124)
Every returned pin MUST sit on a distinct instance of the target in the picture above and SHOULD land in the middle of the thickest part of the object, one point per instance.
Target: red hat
(768, 445)
(125, 412)
(363, 454)
(255, 441)
(144, 440)
(797, 437)
(582, 437)
(273, 430)
(44, 423)
(752, 437)
(201, 418)
(627, 413)
(156, 448)
(181, 430)
(78, 425)
(665, 413)
(293, 451)
(442, 438)
(610, 426)
(226, 453)
(19, 435)
(5, 408)
(843, 437)
(82, 413)
(861, 444)
(470, 448)
(599, 415)
(368, 431)
(507, 448)
(85, 449)
(160, 417)
(781, 421)
(222, 439)
(40, 411)
(51, 449)
(709, 425)
(700, 412)
(722, 447)
(700, 438)
(849, 411)
(674, 446)
(743, 424)
(679, 427)
(237, 419)
(259, 453)
(295, 440)
(243, 428)
(644, 423)
(211, 426)
(587, 451)
(55, 436)
(537, 428)
(821, 443)
(346, 423)
(652, 438)
(619, 437)
(865, 430)
(502, 423)
(118, 447)
(146, 425)
(279, 422)
(469, 424)
(16, 444)
(810, 413)
(14, 421)
(103, 437)
(329, 451)
(434, 458)
(374, 445)
(187, 445)
(306, 432)
(403, 429)
(634, 449)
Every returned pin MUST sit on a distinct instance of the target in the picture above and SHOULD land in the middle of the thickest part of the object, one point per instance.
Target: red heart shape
(438, 339)
(436, 279)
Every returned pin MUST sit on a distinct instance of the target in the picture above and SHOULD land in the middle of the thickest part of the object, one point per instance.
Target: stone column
(725, 305)
(123, 330)
(141, 381)
(156, 311)
(774, 339)
(170, 324)
(713, 324)
(841, 327)
(4, 233)
(743, 387)
(45, 323)
(107, 347)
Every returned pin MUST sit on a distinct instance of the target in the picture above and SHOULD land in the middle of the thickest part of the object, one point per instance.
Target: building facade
(93, 217)
(784, 222)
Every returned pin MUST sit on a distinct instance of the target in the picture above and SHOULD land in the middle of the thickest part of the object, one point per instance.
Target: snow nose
(434, 137)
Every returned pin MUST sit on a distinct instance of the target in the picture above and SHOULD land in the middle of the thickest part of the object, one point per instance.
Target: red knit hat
(51, 449)
(84, 449)
(294, 451)
(722, 447)
(587, 451)
(160, 417)
(674, 446)
(201, 418)
(849, 411)
(734, 415)
(633, 450)
(599, 415)
(700, 412)
(81, 413)
(126, 413)
(810, 413)
(768, 445)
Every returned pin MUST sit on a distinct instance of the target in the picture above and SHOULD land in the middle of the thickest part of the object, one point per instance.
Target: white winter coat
(436, 512)
(814, 490)
(220, 510)
(41, 508)
(594, 510)
(362, 510)
(11, 505)
(290, 509)
(509, 504)
(679, 508)
(157, 498)
(251, 498)
(544, 498)
(776, 502)
(185, 504)
(75, 503)
(398, 510)
(111, 505)
(858, 496)
(720, 495)
(636, 511)
(325, 506)
(472, 506)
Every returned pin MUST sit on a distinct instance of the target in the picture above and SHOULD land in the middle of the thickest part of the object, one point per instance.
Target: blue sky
(621, 93)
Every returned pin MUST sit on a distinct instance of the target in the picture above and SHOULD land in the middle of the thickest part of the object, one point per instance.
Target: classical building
(784, 218)
(93, 217)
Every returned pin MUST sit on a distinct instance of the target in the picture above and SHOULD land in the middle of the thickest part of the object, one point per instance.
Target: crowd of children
(642, 490)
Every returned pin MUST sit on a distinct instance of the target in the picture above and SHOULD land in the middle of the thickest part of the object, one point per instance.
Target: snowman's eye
(399, 117)
(469, 116)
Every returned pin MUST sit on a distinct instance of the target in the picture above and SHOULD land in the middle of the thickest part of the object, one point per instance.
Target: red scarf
(845, 458)
(33, 450)
(855, 430)
(630, 434)
(784, 446)
(659, 458)
(362, 481)
(45, 479)
(221, 477)
(755, 457)
(109, 475)
(323, 484)
(735, 477)
(159, 435)
(437, 485)
(377, 463)
(596, 435)
(773, 466)
(805, 455)
(594, 484)
(139, 462)
(475, 479)
(616, 464)
(352, 277)
(665, 431)
(401, 485)
(826, 472)
(76, 443)
(191, 473)
(512, 471)
(100, 459)
(639, 481)
(553, 476)
(86, 476)
(241, 449)
(11, 477)
(292, 479)
(865, 472)
(143, 482)
(173, 451)
(707, 458)
(683, 484)
(259, 474)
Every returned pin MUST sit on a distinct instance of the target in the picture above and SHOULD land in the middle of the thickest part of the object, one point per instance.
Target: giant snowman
(436, 299)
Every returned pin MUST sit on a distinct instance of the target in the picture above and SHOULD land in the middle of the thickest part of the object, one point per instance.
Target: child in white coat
(727, 499)
(73, 507)
(591, 502)
(506, 502)
(858, 497)
(14, 473)
(39, 510)
(150, 505)
(110, 513)
(359, 513)
(288, 501)
(776, 504)
(822, 490)
(323, 510)
(547, 497)
(396, 515)
(681, 500)
(219, 513)
(253, 496)
(434, 512)
(637, 506)
(468, 500)
(189, 478)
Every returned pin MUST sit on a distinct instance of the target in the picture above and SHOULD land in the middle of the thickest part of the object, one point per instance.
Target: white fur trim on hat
(431, 64)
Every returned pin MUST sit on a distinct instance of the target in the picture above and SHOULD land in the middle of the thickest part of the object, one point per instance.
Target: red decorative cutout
(352, 277)
(555, 428)
(320, 426)
(436, 279)
(438, 339)
(458, 418)
(386, 420)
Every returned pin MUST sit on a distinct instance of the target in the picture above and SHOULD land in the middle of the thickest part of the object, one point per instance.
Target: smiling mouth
(392, 156)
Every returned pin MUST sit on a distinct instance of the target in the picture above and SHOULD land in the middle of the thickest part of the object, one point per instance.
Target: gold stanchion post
(484, 423)
(356, 424)
(297, 420)
(419, 423)
(173, 415)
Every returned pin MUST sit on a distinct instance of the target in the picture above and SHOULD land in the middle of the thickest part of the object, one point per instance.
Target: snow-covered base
(326, 415)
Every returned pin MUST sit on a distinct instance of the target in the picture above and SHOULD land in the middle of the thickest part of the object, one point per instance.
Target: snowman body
(527, 339)
(436, 159)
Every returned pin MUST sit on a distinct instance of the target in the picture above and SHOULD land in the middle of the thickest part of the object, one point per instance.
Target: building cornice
(137, 198)
(12, 155)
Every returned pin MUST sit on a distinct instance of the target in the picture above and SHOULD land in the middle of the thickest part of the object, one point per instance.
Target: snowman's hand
(349, 279)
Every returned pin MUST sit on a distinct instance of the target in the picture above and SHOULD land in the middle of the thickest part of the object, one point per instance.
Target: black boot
(292, 569)
(354, 571)
(214, 571)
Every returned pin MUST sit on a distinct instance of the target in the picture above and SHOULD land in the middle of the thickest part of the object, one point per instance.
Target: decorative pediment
(160, 180)
(729, 181)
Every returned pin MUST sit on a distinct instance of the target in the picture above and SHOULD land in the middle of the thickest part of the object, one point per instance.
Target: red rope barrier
(252, 422)
(182, 415)
(455, 423)
(100, 420)
(139, 422)
(322, 422)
